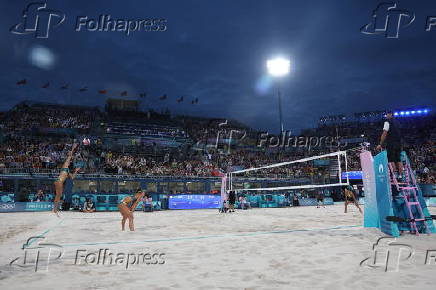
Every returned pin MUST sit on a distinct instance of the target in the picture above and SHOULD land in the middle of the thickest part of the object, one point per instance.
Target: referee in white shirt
(391, 140)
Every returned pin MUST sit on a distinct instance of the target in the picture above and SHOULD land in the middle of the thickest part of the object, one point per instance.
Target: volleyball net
(313, 172)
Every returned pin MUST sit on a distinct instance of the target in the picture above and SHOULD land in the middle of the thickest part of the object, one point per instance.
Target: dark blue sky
(216, 51)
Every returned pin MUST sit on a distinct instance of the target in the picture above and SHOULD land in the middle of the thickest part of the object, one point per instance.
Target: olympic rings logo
(7, 206)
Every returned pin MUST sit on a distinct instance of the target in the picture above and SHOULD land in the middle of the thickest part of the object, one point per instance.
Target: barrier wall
(25, 206)
(191, 201)
(431, 201)
(109, 202)
(314, 202)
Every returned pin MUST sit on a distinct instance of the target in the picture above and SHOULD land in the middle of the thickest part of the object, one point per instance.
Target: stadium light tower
(279, 67)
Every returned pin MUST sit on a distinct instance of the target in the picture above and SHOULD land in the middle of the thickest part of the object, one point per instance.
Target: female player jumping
(350, 198)
(127, 206)
(63, 176)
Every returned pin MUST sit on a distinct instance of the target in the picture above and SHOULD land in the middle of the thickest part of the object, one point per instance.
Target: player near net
(127, 206)
(350, 198)
(232, 200)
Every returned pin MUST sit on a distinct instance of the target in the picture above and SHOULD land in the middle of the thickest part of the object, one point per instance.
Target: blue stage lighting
(419, 111)
(425, 111)
(396, 114)
(413, 112)
(407, 113)
(401, 113)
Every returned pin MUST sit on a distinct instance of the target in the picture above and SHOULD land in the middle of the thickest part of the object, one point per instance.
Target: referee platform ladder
(407, 190)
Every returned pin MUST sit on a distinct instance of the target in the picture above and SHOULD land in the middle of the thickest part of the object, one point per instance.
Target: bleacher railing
(53, 173)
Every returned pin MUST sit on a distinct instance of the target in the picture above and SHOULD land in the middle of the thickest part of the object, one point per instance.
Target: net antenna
(339, 154)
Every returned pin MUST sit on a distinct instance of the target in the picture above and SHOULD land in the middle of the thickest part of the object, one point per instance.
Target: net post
(339, 168)
(229, 176)
(228, 182)
(346, 168)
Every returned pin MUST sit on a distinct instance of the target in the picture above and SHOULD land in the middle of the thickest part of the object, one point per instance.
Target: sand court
(277, 248)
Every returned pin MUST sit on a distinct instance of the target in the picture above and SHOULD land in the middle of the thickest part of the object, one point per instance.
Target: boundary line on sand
(42, 235)
(207, 237)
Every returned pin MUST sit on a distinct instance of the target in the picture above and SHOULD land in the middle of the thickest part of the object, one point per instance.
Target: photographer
(89, 206)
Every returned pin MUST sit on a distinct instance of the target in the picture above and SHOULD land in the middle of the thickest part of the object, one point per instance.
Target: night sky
(217, 50)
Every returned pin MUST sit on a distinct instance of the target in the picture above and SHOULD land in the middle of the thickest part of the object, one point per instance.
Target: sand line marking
(42, 235)
(207, 237)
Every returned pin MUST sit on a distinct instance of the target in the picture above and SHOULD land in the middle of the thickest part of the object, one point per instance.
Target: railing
(53, 173)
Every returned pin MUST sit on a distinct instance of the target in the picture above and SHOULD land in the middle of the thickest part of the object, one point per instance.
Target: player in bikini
(65, 173)
(127, 206)
(350, 198)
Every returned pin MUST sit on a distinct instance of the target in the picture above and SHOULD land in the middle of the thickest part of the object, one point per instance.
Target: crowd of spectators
(18, 152)
(24, 116)
(418, 138)
(424, 159)
(39, 153)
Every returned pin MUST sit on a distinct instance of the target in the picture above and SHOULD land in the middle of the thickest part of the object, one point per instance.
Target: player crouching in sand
(127, 206)
(350, 198)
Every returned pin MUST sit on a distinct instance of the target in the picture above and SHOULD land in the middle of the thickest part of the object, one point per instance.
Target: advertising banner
(371, 219)
(25, 206)
(384, 198)
(192, 201)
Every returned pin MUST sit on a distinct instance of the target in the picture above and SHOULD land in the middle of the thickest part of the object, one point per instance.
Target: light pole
(279, 67)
